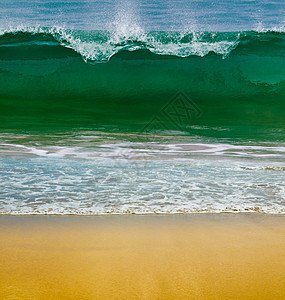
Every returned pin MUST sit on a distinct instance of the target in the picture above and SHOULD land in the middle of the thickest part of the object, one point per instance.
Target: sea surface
(118, 107)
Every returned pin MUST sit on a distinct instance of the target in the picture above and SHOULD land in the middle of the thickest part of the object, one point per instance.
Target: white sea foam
(96, 187)
(127, 35)
(95, 173)
(143, 150)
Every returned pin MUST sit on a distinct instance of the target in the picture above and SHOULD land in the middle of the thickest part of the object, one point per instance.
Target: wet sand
(223, 256)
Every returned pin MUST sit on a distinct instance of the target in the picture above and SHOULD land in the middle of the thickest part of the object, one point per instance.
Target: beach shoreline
(199, 256)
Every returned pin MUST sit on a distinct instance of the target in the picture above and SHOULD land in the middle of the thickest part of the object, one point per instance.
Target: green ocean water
(45, 84)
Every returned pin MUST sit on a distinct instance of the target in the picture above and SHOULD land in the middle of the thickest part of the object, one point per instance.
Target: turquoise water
(127, 15)
(142, 107)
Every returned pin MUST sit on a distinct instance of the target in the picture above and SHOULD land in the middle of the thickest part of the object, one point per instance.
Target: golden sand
(143, 257)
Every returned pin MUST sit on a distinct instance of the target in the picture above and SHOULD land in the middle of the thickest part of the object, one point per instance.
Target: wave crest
(100, 46)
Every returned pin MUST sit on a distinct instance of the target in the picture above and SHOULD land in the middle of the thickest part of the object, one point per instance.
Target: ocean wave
(44, 83)
(100, 46)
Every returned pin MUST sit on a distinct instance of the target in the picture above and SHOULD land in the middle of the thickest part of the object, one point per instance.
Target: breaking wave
(100, 46)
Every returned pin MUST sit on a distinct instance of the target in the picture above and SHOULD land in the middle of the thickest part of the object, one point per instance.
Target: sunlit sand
(143, 257)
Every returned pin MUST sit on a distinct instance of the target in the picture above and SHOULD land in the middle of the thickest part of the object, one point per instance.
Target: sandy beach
(223, 256)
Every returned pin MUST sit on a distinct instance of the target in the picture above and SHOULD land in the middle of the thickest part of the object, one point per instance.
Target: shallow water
(95, 173)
